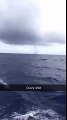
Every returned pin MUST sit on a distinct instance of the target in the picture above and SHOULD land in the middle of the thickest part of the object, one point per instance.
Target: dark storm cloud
(18, 37)
(19, 24)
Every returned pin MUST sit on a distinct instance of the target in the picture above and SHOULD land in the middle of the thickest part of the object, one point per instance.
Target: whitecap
(38, 115)
(3, 83)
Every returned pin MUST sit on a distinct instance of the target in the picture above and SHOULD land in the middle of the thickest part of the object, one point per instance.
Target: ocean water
(32, 69)
(32, 105)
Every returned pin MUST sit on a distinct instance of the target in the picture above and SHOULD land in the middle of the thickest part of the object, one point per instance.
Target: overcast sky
(28, 23)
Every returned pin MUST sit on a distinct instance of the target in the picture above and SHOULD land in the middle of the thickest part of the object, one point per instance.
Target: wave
(3, 83)
(36, 115)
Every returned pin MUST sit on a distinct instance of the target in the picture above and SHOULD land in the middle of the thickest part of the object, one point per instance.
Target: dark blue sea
(32, 69)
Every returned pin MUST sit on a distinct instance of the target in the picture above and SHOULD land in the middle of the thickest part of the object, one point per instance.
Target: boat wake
(37, 115)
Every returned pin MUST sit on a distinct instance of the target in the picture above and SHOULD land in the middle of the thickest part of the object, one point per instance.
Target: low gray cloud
(19, 37)
(19, 24)
(54, 38)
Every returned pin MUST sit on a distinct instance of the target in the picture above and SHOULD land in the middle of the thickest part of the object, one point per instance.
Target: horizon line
(30, 53)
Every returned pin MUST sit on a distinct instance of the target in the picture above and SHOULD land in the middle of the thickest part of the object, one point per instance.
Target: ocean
(32, 69)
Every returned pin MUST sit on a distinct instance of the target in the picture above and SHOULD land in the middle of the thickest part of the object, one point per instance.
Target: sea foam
(38, 115)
